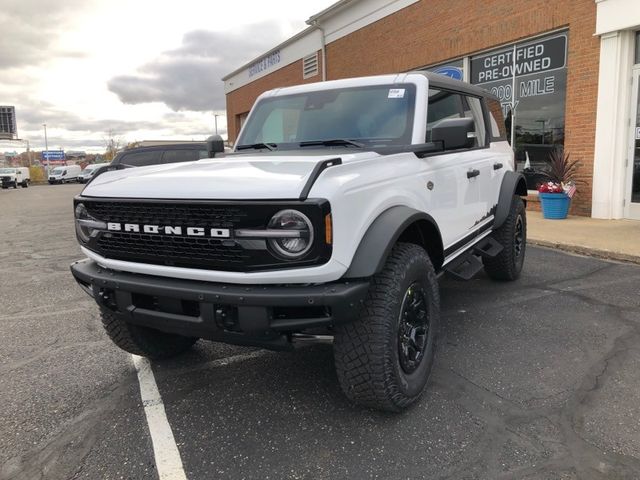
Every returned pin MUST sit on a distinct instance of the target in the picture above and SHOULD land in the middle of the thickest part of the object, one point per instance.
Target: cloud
(30, 29)
(188, 78)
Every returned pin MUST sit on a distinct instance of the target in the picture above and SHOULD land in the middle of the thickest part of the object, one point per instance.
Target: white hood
(230, 178)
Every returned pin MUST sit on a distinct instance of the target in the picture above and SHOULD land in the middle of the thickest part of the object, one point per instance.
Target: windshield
(89, 169)
(57, 171)
(360, 116)
(7, 170)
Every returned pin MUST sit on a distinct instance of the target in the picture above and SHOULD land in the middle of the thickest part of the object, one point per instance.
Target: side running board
(467, 265)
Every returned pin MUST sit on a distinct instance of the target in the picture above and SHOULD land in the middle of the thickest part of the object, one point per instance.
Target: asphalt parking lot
(537, 379)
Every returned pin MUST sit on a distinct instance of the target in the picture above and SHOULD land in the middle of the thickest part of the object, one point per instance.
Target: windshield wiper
(332, 142)
(256, 146)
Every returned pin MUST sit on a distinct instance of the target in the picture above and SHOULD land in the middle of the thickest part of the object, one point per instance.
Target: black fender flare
(513, 183)
(381, 236)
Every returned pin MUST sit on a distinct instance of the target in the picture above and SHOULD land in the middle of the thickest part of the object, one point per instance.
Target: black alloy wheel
(413, 331)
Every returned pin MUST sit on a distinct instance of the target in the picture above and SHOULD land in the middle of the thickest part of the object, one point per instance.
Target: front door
(633, 164)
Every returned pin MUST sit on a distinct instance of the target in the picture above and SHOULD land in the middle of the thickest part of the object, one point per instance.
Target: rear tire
(144, 341)
(512, 235)
(384, 357)
(24, 184)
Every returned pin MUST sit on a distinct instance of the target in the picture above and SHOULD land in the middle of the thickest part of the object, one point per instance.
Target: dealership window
(530, 79)
(637, 47)
(452, 68)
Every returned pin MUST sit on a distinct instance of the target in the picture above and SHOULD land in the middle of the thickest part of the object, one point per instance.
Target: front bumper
(260, 315)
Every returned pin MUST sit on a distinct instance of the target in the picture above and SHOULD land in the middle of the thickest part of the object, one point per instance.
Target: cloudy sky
(142, 69)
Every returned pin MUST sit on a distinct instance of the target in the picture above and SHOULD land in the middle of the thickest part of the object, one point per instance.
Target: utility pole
(215, 116)
(46, 149)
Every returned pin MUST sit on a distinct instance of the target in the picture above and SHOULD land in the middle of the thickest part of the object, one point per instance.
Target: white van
(89, 171)
(14, 176)
(64, 174)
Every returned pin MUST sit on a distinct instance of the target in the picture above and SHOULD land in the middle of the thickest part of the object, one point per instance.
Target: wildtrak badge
(169, 230)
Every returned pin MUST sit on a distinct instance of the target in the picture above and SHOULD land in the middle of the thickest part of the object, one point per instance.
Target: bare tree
(112, 144)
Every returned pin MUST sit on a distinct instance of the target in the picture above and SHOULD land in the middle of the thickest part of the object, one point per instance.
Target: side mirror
(455, 133)
(215, 144)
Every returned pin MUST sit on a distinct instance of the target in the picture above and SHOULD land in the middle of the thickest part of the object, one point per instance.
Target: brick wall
(241, 100)
(432, 31)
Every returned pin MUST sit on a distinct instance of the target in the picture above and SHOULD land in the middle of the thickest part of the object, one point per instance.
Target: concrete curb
(588, 251)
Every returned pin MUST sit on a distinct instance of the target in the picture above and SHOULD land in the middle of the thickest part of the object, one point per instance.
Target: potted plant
(556, 194)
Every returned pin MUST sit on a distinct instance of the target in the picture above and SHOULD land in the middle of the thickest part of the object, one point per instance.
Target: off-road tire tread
(501, 267)
(362, 355)
(143, 341)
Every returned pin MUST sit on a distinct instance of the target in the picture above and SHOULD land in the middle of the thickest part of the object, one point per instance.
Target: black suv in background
(156, 154)
(164, 153)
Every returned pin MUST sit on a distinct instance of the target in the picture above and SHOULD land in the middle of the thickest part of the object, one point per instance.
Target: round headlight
(297, 233)
(85, 223)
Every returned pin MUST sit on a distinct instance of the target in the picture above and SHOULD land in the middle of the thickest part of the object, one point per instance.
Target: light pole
(215, 116)
(543, 132)
(46, 149)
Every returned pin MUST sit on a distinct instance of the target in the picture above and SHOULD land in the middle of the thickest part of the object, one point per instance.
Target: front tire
(512, 235)
(144, 341)
(384, 358)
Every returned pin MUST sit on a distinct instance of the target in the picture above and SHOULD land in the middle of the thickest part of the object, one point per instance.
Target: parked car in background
(156, 154)
(89, 171)
(68, 173)
(14, 176)
(164, 153)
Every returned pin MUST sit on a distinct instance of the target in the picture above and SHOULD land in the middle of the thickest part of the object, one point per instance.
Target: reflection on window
(530, 79)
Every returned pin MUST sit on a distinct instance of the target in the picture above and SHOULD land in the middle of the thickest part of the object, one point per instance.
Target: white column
(612, 129)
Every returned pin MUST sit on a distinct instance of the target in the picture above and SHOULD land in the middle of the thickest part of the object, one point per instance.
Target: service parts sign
(530, 67)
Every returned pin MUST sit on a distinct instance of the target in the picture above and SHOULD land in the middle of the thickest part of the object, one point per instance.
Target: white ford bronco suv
(340, 206)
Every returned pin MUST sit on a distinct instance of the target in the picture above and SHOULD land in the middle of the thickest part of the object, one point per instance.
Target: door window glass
(140, 159)
(635, 187)
(473, 109)
(185, 155)
(442, 105)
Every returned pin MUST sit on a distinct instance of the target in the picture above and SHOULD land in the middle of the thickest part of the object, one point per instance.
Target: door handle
(473, 173)
(497, 166)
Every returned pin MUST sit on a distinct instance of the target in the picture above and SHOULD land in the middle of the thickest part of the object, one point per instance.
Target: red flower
(550, 187)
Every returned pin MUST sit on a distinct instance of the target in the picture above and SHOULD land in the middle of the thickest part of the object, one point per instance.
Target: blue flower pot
(555, 206)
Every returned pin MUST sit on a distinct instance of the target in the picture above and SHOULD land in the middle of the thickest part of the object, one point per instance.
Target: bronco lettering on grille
(169, 230)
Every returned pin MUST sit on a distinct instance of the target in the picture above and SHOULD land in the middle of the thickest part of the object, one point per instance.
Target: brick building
(566, 73)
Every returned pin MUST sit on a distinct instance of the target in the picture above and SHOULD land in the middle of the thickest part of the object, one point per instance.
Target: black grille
(197, 252)
(171, 250)
(193, 215)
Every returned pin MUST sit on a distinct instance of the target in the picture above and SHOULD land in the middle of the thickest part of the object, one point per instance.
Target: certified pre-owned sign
(535, 57)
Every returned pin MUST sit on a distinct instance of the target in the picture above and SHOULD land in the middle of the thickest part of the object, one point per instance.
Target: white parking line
(165, 450)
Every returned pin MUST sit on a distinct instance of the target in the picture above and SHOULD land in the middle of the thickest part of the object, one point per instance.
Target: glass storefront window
(637, 47)
(530, 79)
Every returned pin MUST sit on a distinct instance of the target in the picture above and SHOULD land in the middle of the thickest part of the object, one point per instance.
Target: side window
(496, 118)
(185, 155)
(473, 109)
(442, 105)
(140, 159)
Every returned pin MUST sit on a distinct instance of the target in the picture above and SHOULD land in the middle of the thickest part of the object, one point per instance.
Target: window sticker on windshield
(396, 93)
